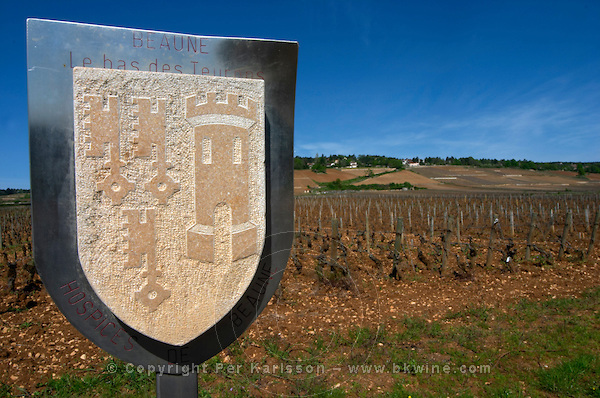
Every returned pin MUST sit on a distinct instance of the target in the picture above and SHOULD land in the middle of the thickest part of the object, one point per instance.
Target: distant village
(354, 164)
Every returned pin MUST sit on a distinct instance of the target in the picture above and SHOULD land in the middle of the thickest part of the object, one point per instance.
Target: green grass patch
(25, 325)
(277, 348)
(399, 391)
(469, 336)
(5, 390)
(417, 328)
(116, 379)
(347, 185)
(579, 376)
(360, 337)
(481, 313)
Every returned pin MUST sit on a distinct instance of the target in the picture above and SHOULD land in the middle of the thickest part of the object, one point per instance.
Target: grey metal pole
(177, 385)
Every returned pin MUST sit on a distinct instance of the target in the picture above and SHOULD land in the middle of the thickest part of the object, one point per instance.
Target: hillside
(308, 178)
(457, 178)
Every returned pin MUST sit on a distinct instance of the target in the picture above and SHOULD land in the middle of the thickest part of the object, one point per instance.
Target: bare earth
(38, 343)
(406, 176)
(457, 178)
(304, 178)
(511, 179)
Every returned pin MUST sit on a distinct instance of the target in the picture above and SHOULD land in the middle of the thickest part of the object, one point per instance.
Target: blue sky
(493, 79)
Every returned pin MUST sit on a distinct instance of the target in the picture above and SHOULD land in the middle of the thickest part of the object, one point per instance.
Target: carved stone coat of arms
(170, 195)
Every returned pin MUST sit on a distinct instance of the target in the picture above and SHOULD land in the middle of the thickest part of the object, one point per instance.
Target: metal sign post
(162, 186)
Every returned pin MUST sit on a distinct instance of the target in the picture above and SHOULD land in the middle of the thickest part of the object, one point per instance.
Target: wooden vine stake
(530, 237)
(490, 252)
(398, 245)
(335, 238)
(563, 239)
(431, 227)
(512, 224)
(458, 228)
(593, 236)
(446, 244)
(367, 233)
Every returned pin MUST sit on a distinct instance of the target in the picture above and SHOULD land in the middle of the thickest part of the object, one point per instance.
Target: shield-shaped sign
(161, 176)
(170, 195)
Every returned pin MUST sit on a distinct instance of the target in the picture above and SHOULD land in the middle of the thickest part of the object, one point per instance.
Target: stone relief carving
(170, 192)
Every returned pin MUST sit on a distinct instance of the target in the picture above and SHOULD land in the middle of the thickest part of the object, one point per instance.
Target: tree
(300, 163)
(527, 164)
(319, 167)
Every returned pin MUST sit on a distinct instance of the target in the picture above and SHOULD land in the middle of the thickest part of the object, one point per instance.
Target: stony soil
(38, 343)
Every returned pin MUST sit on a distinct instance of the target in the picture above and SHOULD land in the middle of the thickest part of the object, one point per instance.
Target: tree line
(320, 163)
(11, 191)
(581, 168)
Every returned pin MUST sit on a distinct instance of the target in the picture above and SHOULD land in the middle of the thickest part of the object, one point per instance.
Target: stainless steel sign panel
(161, 183)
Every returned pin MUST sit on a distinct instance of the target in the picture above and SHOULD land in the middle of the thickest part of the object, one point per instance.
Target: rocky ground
(38, 343)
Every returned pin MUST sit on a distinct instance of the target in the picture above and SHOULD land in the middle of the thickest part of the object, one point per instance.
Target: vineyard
(16, 247)
(398, 234)
(447, 234)
(374, 279)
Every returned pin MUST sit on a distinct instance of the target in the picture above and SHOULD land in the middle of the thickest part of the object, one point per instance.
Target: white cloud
(542, 128)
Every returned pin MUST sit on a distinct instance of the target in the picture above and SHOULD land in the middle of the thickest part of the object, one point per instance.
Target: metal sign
(161, 176)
